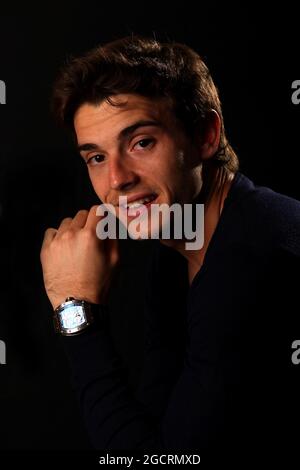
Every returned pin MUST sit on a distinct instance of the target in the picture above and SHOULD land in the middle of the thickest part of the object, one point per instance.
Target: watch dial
(72, 317)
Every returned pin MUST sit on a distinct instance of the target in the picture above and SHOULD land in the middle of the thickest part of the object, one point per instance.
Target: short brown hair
(149, 68)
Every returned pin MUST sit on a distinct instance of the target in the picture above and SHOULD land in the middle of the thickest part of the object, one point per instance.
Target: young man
(218, 371)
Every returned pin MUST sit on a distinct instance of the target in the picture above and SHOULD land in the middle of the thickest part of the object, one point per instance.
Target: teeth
(138, 203)
(134, 205)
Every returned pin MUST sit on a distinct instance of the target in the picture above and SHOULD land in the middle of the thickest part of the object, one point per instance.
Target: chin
(145, 233)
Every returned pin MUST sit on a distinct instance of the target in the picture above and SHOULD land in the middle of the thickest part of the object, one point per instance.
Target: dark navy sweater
(218, 374)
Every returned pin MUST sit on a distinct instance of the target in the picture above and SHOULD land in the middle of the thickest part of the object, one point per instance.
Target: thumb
(92, 218)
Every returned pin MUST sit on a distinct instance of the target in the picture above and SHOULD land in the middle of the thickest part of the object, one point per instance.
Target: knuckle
(89, 237)
(67, 235)
(66, 220)
(82, 212)
(48, 231)
(94, 208)
(87, 233)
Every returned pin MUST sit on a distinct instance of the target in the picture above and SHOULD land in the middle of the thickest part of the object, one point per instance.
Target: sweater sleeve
(113, 417)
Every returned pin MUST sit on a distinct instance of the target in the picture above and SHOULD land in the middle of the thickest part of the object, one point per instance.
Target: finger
(48, 236)
(64, 225)
(80, 219)
(92, 218)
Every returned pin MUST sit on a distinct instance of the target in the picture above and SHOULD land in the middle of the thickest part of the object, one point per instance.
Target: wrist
(58, 300)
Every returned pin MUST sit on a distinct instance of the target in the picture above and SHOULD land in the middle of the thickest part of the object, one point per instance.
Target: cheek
(167, 171)
(99, 183)
(168, 162)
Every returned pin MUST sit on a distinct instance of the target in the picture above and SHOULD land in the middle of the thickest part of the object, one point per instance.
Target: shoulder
(269, 217)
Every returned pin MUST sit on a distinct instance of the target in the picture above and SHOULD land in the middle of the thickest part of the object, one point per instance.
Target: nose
(120, 175)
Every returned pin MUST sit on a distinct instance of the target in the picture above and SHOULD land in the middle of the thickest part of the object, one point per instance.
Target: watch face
(72, 317)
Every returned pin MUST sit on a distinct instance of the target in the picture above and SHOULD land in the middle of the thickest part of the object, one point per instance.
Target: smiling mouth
(137, 207)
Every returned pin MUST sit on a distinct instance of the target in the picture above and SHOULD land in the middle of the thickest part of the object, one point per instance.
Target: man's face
(137, 150)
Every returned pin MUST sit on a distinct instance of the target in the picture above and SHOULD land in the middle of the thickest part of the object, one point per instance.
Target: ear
(210, 135)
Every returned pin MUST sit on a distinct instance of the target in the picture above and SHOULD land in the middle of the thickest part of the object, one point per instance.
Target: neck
(215, 187)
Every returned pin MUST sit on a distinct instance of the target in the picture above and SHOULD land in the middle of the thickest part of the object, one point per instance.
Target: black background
(253, 58)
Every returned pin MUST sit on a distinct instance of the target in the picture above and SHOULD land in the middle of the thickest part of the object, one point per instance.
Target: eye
(95, 159)
(144, 143)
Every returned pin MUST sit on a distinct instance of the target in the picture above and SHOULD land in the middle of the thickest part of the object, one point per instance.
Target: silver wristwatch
(73, 316)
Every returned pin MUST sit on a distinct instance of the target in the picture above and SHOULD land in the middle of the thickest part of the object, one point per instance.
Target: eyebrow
(127, 131)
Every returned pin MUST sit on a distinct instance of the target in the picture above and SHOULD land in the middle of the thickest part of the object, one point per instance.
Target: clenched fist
(75, 262)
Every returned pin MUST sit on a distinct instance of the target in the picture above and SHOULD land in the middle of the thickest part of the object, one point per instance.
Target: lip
(137, 196)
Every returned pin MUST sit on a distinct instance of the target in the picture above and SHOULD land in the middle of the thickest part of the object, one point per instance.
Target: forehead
(110, 118)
